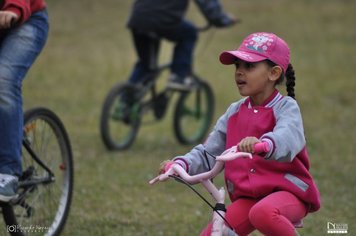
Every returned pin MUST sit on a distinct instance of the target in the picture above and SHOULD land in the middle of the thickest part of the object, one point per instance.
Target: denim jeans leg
(18, 50)
(185, 35)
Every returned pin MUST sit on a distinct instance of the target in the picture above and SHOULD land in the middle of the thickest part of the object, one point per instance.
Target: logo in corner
(337, 228)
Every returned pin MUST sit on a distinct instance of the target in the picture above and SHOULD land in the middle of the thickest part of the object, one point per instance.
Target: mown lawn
(89, 50)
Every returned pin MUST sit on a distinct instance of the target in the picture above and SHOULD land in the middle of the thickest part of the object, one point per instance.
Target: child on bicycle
(165, 19)
(23, 33)
(272, 191)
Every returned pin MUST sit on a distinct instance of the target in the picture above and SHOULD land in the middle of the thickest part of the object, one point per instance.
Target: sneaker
(8, 187)
(177, 83)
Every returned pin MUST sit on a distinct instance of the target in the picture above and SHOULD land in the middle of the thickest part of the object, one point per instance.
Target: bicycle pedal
(27, 173)
(160, 105)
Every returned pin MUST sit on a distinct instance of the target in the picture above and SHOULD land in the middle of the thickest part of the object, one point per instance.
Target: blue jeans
(183, 35)
(18, 50)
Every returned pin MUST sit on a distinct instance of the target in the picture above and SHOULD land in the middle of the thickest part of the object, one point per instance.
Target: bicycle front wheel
(193, 114)
(45, 189)
(120, 117)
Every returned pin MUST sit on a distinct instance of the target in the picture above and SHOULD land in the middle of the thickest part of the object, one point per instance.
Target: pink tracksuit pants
(272, 215)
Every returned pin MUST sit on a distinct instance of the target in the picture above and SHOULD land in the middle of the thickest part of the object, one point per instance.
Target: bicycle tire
(193, 114)
(49, 202)
(118, 133)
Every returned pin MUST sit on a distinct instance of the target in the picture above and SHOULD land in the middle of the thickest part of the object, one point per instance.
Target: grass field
(89, 50)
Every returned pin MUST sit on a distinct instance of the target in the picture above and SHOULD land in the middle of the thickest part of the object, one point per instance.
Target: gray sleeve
(198, 160)
(287, 138)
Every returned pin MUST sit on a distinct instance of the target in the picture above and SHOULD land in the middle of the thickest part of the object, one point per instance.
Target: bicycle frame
(149, 84)
(28, 184)
(34, 156)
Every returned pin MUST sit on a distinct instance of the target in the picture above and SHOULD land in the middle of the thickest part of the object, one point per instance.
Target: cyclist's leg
(147, 52)
(185, 36)
(146, 49)
(274, 214)
(18, 50)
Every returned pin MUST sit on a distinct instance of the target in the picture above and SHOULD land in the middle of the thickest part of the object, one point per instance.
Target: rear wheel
(120, 117)
(44, 194)
(193, 114)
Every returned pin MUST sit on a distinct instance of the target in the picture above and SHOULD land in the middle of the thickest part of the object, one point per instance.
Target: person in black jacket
(164, 19)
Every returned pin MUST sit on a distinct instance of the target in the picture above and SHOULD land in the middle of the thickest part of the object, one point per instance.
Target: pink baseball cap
(258, 47)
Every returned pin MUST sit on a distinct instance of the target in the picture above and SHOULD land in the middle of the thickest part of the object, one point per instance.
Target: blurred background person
(151, 20)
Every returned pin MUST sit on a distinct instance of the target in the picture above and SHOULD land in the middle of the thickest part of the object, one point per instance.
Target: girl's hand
(247, 144)
(164, 172)
(165, 166)
(7, 19)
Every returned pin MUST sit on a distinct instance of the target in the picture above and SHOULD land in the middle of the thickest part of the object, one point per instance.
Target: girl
(272, 191)
(23, 33)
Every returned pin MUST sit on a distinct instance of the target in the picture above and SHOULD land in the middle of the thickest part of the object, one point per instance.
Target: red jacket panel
(23, 8)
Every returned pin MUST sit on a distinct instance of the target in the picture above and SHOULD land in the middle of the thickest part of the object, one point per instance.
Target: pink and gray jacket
(284, 168)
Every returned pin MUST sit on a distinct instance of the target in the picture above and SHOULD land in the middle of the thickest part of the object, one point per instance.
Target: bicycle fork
(218, 226)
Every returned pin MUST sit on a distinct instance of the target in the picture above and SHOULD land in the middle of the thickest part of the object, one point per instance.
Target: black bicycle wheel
(193, 114)
(120, 117)
(43, 208)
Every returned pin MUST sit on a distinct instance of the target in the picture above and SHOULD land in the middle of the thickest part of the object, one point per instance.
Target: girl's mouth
(240, 83)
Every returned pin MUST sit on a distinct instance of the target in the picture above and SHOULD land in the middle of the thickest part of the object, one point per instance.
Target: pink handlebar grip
(262, 147)
(168, 165)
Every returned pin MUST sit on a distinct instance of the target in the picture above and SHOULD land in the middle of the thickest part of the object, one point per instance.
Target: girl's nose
(238, 73)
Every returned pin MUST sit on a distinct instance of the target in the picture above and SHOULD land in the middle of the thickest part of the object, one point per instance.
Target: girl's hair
(290, 76)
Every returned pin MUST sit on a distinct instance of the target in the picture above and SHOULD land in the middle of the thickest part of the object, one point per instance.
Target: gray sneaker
(8, 187)
(177, 83)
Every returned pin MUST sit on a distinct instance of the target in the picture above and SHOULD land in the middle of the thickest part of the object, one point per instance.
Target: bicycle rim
(118, 124)
(193, 114)
(47, 204)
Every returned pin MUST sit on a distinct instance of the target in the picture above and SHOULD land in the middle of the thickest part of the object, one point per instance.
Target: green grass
(89, 50)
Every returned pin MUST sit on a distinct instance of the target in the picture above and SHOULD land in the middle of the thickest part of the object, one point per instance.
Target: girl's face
(255, 80)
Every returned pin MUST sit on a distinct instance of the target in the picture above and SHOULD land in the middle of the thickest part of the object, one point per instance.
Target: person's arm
(197, 160)
(287, 138)
(20, 8)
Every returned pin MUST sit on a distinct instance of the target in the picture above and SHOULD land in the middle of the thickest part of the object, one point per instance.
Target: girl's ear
(275, 73)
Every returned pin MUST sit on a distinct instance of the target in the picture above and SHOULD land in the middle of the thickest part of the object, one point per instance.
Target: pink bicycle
(177, 172)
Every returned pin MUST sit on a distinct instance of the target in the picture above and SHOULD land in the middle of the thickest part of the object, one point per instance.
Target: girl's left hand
(7, 19)
(247, 144)
(165, 171)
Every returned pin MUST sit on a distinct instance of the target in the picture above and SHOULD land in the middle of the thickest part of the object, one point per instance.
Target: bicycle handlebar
(233, 153)
(208, 25)
(173, 169)
(262, 147)
(228, 155)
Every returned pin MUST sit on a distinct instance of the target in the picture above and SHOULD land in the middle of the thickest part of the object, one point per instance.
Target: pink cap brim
(229, 57)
